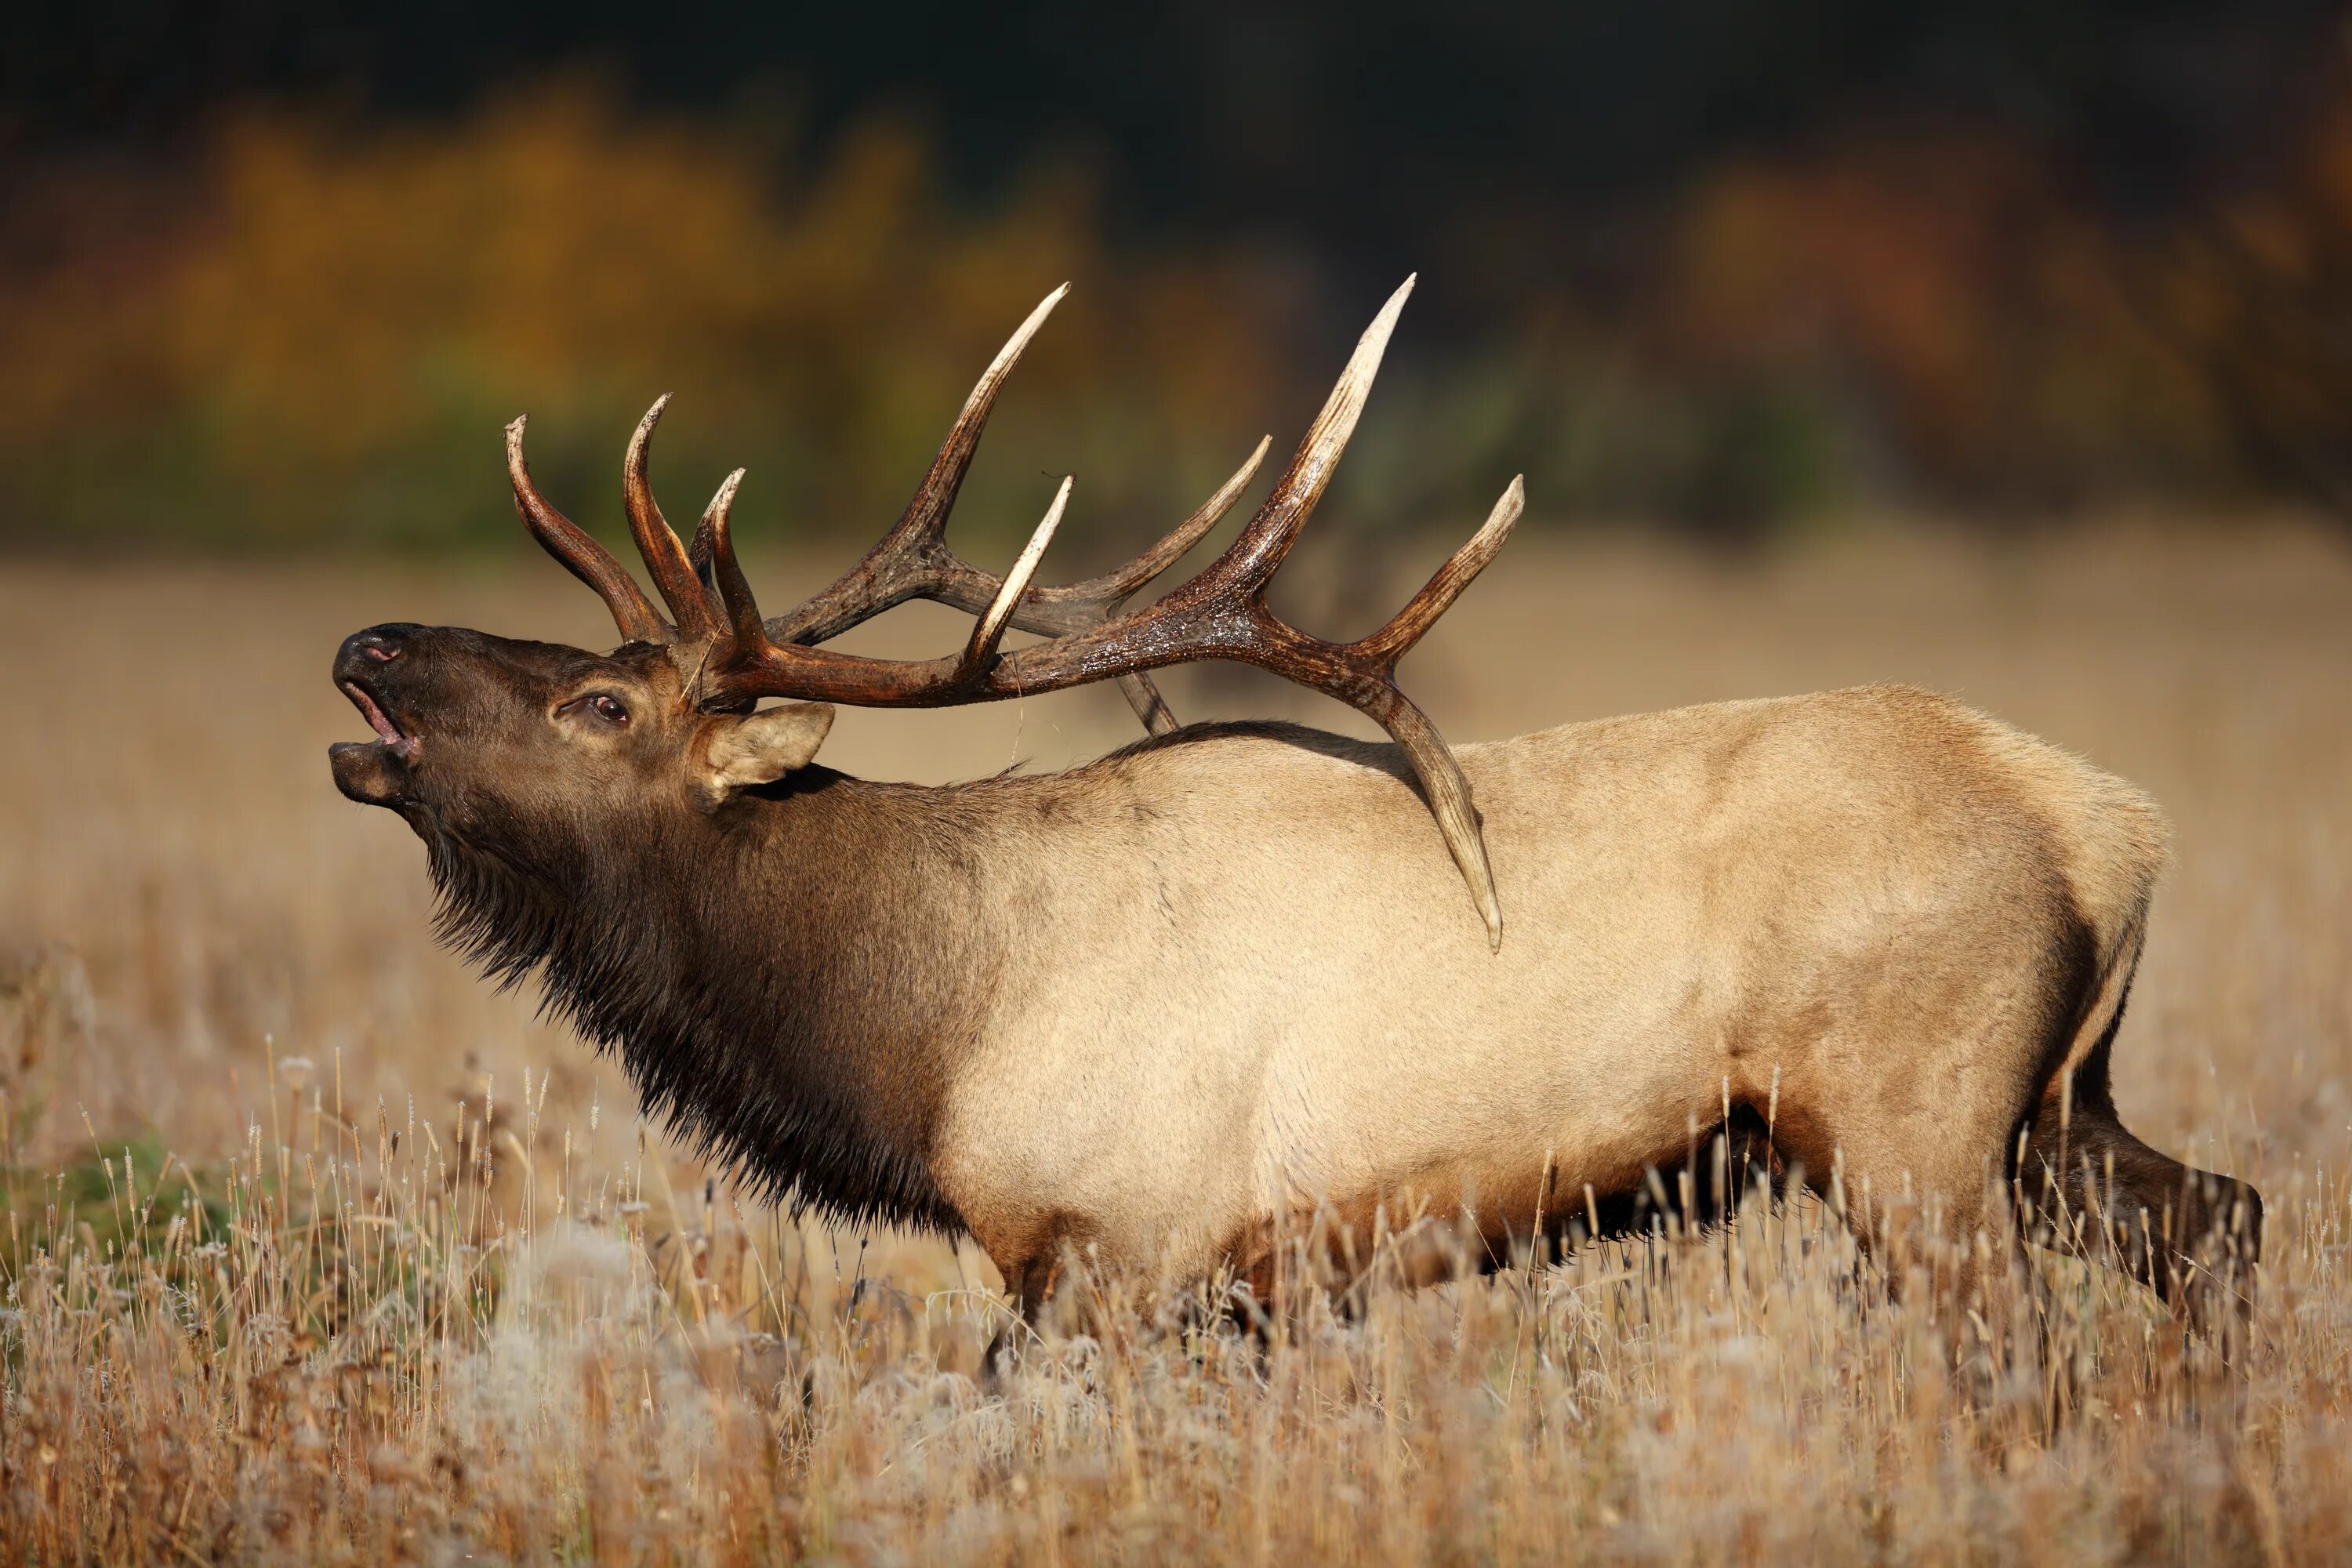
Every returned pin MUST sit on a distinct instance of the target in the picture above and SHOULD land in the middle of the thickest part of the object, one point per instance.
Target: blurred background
(272, 275)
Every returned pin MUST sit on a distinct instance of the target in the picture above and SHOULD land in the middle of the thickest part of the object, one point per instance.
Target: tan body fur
(1241, 979)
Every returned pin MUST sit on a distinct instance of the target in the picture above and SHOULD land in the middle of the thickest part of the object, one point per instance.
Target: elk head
(547, 749)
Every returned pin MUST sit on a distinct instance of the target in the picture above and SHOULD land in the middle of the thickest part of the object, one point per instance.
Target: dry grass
(317, 1251)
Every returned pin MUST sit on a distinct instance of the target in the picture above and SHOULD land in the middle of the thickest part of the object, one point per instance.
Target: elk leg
(2190, 1236)
(1031, 1281)
(1917, 1195)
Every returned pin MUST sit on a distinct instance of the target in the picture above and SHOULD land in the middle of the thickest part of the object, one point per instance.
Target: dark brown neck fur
(786, 982)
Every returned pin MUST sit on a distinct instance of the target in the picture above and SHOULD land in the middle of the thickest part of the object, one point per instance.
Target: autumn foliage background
(294, 325)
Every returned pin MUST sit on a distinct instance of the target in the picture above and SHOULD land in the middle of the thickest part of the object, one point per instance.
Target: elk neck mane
(787, 983)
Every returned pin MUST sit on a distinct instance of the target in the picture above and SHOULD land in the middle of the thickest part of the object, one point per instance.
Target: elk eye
(609, 709)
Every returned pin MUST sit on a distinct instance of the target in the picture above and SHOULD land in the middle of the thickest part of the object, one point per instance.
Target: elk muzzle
(374, 773)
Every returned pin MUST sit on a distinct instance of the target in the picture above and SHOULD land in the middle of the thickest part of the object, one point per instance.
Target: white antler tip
(991, 626)
(1052, 518)
(1038, 317)
(725, 498)
(1018, 578)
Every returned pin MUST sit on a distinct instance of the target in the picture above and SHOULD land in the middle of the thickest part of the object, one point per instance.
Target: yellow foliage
(337, 303)
(314, 331)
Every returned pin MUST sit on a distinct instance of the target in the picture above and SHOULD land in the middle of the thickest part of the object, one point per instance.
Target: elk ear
(761, 748)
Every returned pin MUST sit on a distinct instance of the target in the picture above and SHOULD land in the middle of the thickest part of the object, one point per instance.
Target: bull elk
(1159, 1007)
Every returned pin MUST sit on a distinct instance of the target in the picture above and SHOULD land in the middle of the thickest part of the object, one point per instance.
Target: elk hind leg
(2192, 1236)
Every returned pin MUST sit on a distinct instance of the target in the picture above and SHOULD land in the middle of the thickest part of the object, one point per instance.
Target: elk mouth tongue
(387, 733)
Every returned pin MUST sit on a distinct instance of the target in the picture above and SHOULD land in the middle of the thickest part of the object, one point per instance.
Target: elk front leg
(1031, 1281)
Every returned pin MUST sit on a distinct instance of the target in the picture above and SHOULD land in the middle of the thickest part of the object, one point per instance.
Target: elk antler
(580, 553)
(1220, 614)
(914, 561)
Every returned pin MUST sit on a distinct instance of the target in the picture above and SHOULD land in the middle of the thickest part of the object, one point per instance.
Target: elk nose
(363, 652)
(377, 645)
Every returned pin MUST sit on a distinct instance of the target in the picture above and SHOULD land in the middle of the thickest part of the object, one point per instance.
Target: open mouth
(388, 734)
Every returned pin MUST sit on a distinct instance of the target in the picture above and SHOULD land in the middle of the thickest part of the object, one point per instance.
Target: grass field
(317, 1250)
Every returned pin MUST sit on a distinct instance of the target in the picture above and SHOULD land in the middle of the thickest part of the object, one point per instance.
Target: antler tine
(1254, 557)
(666, 557)
(926, 513)
(1446, 789)
(990, 630)
(697, 556)
(580, 554)
(1394, 640)
(734, 589)
(908, 561)
(1114, 586)
(1442, 785)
